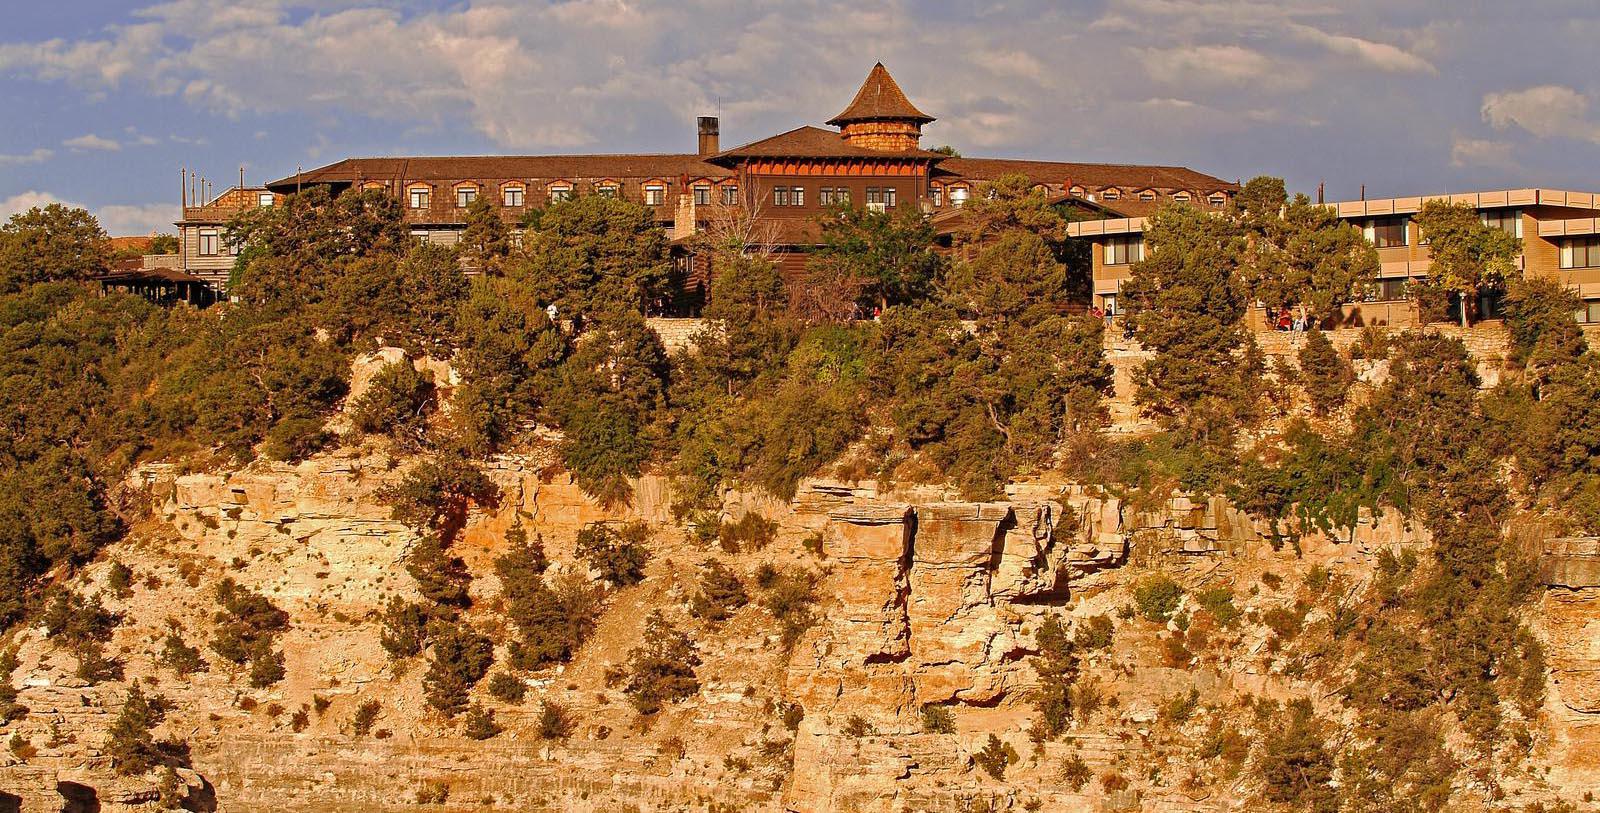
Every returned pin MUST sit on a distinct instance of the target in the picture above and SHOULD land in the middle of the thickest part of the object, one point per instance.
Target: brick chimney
(709, 130)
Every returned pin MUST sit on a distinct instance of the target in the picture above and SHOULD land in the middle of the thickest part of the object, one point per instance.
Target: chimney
(709, 130)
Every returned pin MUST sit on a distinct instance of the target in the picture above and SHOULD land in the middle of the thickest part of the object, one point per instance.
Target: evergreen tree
(1468, 255)
(53, 243)
(485, 243)
(595, 254)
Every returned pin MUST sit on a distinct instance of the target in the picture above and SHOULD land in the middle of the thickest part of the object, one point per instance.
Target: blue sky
(105, 100)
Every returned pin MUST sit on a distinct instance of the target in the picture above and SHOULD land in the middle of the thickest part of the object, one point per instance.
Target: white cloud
(1476, 152)
(38, 156)
(90, 141)
(1544, 111)
(1207, 64)
(1379, 55)
(116, 219)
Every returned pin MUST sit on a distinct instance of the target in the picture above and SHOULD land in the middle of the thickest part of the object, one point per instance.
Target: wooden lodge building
(871, 157)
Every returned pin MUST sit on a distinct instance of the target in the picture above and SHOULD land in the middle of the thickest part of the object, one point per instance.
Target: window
(937, 194)
(655, 195)
(1109, 302)
(1388, 232)
(208, 242)
(882, 196)
(1147, 196)
(1124, 249)
(560, 193)
(1181, 197)
(788, 196)
(513, 196)
(730, 195)
(419, 197)
(1111, 194)
(465, 196)
(1590, 312)
(829, 195)
(702, 195)
(263, 199)
(1218, 199)
(1506, 220)
(959, 195)
(1580, 252)
(1077, 191)
(609, 190)
(1388, 290)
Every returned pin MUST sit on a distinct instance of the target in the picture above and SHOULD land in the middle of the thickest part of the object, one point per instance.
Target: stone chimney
(709, 130)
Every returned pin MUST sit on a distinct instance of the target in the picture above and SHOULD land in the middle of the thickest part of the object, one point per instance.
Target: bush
(1294, 766)
(619, 554)
(247, 626)
(1057, 666)
(292, 440)
(461, 657)
(366, 715)
(995, 756)
(405, 628)
(554, 721)
(435, 495)
(1325, 373)
(130, 744)
(507, 687)
(789, 594)
(10, 709)
(1157, 597)
(1094, 633)
(1075, 773)
(1177, 709)
(554, 621)
(721, 593)
(857, 727)
(397, 404)
(442, 578)
(937, 719)
(266, 669)
(661, 669)
(434, 792)
(1218, 601)
(751, 533)
(479, 723)
(119, 580)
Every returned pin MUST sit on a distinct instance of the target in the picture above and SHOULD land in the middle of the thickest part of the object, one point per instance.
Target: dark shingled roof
(813, 142)
(1133, 176)
(548, 167)
(880, 98)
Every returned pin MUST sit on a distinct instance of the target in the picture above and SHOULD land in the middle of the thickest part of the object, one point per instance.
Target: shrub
(479, 723)
(1286, 621)
(555, 723)
(751, 533)
(435, 495)
(405, 625)
(10, 709)
(1094, 633)
(857, 727)
(21, 748)
(1157, 597)
(246, 622)
(1294, 766)
(507, 687)
(721, 593)
(1075, 773)
(1219, 602)
(119, 580)
(619, 554)
(461, 657)
(441, 577)
(661, 668)
(554, 621)
(397, 404)
(433, 792)
(73, 618)
(1178, 708)
(366, 715)
(995, 756)
(294, 439)
(1057, 666)
(300, 720)
(789, 594)
(1325, 374)
(266, 668)
(937, 719)
(130, 744)
(522, 566)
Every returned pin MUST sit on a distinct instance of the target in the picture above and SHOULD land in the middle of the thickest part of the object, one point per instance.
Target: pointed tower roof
(880, 98)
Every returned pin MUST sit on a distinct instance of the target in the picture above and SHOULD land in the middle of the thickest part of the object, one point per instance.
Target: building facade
(871, 157)
(1559, 232)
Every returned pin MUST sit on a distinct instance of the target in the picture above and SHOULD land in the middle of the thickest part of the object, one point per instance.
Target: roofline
(1495, 199)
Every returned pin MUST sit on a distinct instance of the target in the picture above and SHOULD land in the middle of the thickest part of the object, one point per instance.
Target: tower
(881, 117)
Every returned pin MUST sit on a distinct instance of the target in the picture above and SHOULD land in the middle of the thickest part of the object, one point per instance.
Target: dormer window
(959, 195)
(702, 195)
(655, 194)
(264, 199)
(1147, 196)
(1181, 197)
(513, 195)
(1078, 191)
(465, 195)
(1111, 193)
(419, 197)
(607, 189)
(560, 191)
(1218, 199)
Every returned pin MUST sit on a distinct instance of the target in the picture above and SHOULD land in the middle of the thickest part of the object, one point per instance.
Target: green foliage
(247, 626)
(857, 727)
(180, 657)
(555, 722)
(554, 621)
(485, 243)
(995, 757)
(130, 742)
(405, 628)
(1177, 709)
(407, 300)
(55, 243)
(1157, 597)
(293, 251)
(1093, 633)
(1219, 602)
(507, 687)
(1326, 374)
(1294, 765)
(1468, 254)
(1075, 773)
(442, 578)
(611, 404)
(435, 495)
(1538, 317)
(937, 719)
(479, 723)
(868, 259)
(751, 533)
(397, 404)
(366, 715)
(619, 554)
(789, 594)
(1297, 253)
(595, 254)
(461, 657)
(1058, 666)
(509, 353)
(721, 593)
(661, 669)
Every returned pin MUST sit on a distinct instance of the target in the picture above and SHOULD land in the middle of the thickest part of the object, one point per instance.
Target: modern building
(870, 155)
(1560, 233)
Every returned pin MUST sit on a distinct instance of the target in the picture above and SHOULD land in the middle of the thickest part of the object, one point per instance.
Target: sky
(105, 100)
